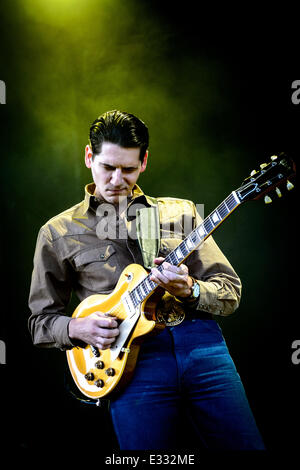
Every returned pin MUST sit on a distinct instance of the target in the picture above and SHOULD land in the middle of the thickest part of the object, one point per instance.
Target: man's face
(115, 171)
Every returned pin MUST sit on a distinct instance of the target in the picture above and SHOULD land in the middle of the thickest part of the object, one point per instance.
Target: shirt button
(102, 256)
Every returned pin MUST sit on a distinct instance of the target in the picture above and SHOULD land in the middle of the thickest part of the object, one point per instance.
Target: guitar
(97, 373)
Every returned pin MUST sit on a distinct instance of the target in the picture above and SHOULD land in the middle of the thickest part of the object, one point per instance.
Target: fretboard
(188, 245)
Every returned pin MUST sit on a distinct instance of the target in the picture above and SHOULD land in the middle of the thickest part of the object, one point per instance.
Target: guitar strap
(148, 232)
(170, 310)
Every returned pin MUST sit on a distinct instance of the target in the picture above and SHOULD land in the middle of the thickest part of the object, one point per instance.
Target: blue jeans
(185, 371)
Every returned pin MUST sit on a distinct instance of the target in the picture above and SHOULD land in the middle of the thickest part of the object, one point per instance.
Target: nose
(117, 177)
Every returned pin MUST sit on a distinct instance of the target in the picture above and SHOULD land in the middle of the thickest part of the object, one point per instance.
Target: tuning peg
(263, 165)
(252, 172)
(267, 200)
(278, 192)
(289, 185)
(274, 157)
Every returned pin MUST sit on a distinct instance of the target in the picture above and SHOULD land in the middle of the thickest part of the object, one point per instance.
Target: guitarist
(185, 369)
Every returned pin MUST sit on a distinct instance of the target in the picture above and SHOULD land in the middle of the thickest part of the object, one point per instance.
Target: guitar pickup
(125, 328)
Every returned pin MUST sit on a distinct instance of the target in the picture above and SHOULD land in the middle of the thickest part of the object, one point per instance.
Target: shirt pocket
(97, 268)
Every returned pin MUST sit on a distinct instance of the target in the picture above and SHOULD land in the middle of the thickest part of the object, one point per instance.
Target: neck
(120, 205)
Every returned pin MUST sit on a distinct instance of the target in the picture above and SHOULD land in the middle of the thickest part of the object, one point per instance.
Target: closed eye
(129, 169)
(107, 167)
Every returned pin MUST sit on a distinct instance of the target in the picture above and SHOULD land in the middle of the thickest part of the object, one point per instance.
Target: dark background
(214, 88)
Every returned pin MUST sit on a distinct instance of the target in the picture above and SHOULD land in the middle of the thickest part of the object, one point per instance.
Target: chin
(116, 198)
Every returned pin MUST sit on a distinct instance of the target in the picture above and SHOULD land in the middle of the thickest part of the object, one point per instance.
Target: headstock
(269, 177)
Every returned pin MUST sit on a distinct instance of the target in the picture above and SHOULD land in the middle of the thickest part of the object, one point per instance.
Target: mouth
(117, 191)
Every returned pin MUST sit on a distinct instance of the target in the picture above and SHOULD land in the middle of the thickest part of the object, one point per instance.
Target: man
(187, 368)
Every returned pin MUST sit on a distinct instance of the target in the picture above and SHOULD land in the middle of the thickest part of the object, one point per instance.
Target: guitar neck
(188, 245)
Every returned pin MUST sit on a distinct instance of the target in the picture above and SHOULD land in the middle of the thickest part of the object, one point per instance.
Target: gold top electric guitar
(97, 373)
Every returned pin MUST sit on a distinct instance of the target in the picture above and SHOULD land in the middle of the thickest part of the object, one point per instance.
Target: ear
(144, 163)
(88, 156)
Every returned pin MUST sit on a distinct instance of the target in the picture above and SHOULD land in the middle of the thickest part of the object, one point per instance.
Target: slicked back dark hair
(120, 128)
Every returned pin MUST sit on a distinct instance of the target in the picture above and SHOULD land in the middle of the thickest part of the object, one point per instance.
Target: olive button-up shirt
(70, 255)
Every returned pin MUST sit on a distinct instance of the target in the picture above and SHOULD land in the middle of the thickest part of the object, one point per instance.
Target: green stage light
(59, 12)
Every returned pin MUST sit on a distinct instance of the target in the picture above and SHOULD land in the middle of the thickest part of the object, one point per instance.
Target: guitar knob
(99, 365)
(99, 383)
(110, 372)
(289, 185)
(263, 165)
(267, 200)
(274, 157)
(89, 376)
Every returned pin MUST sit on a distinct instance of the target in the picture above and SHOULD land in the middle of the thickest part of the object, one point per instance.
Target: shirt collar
(91, 201)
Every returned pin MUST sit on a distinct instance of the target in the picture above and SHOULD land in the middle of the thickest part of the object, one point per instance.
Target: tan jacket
(85, 249)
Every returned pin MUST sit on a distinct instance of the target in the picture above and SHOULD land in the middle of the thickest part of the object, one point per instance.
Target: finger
(184, 268)
(104, 343)
(172, 277)
(181, 270)
(158, 260)
(175, 274)
(158, 277)
(106, 321)
(108, 332)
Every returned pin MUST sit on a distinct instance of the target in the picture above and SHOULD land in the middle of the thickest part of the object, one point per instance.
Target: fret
(184, 248)
(142, 290)
(179, 253)
(152, 283)
(133, 298)
(148, 281)
(189, 243)
(218, 213)
(146, 290)
(222, 210)
(195, 236)
(214, 218)
(231, 202)
(201, 232)
(236, 198)
(209, 226)
(172, 258)
(149, 285)
(226, 205)
(139, 293)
